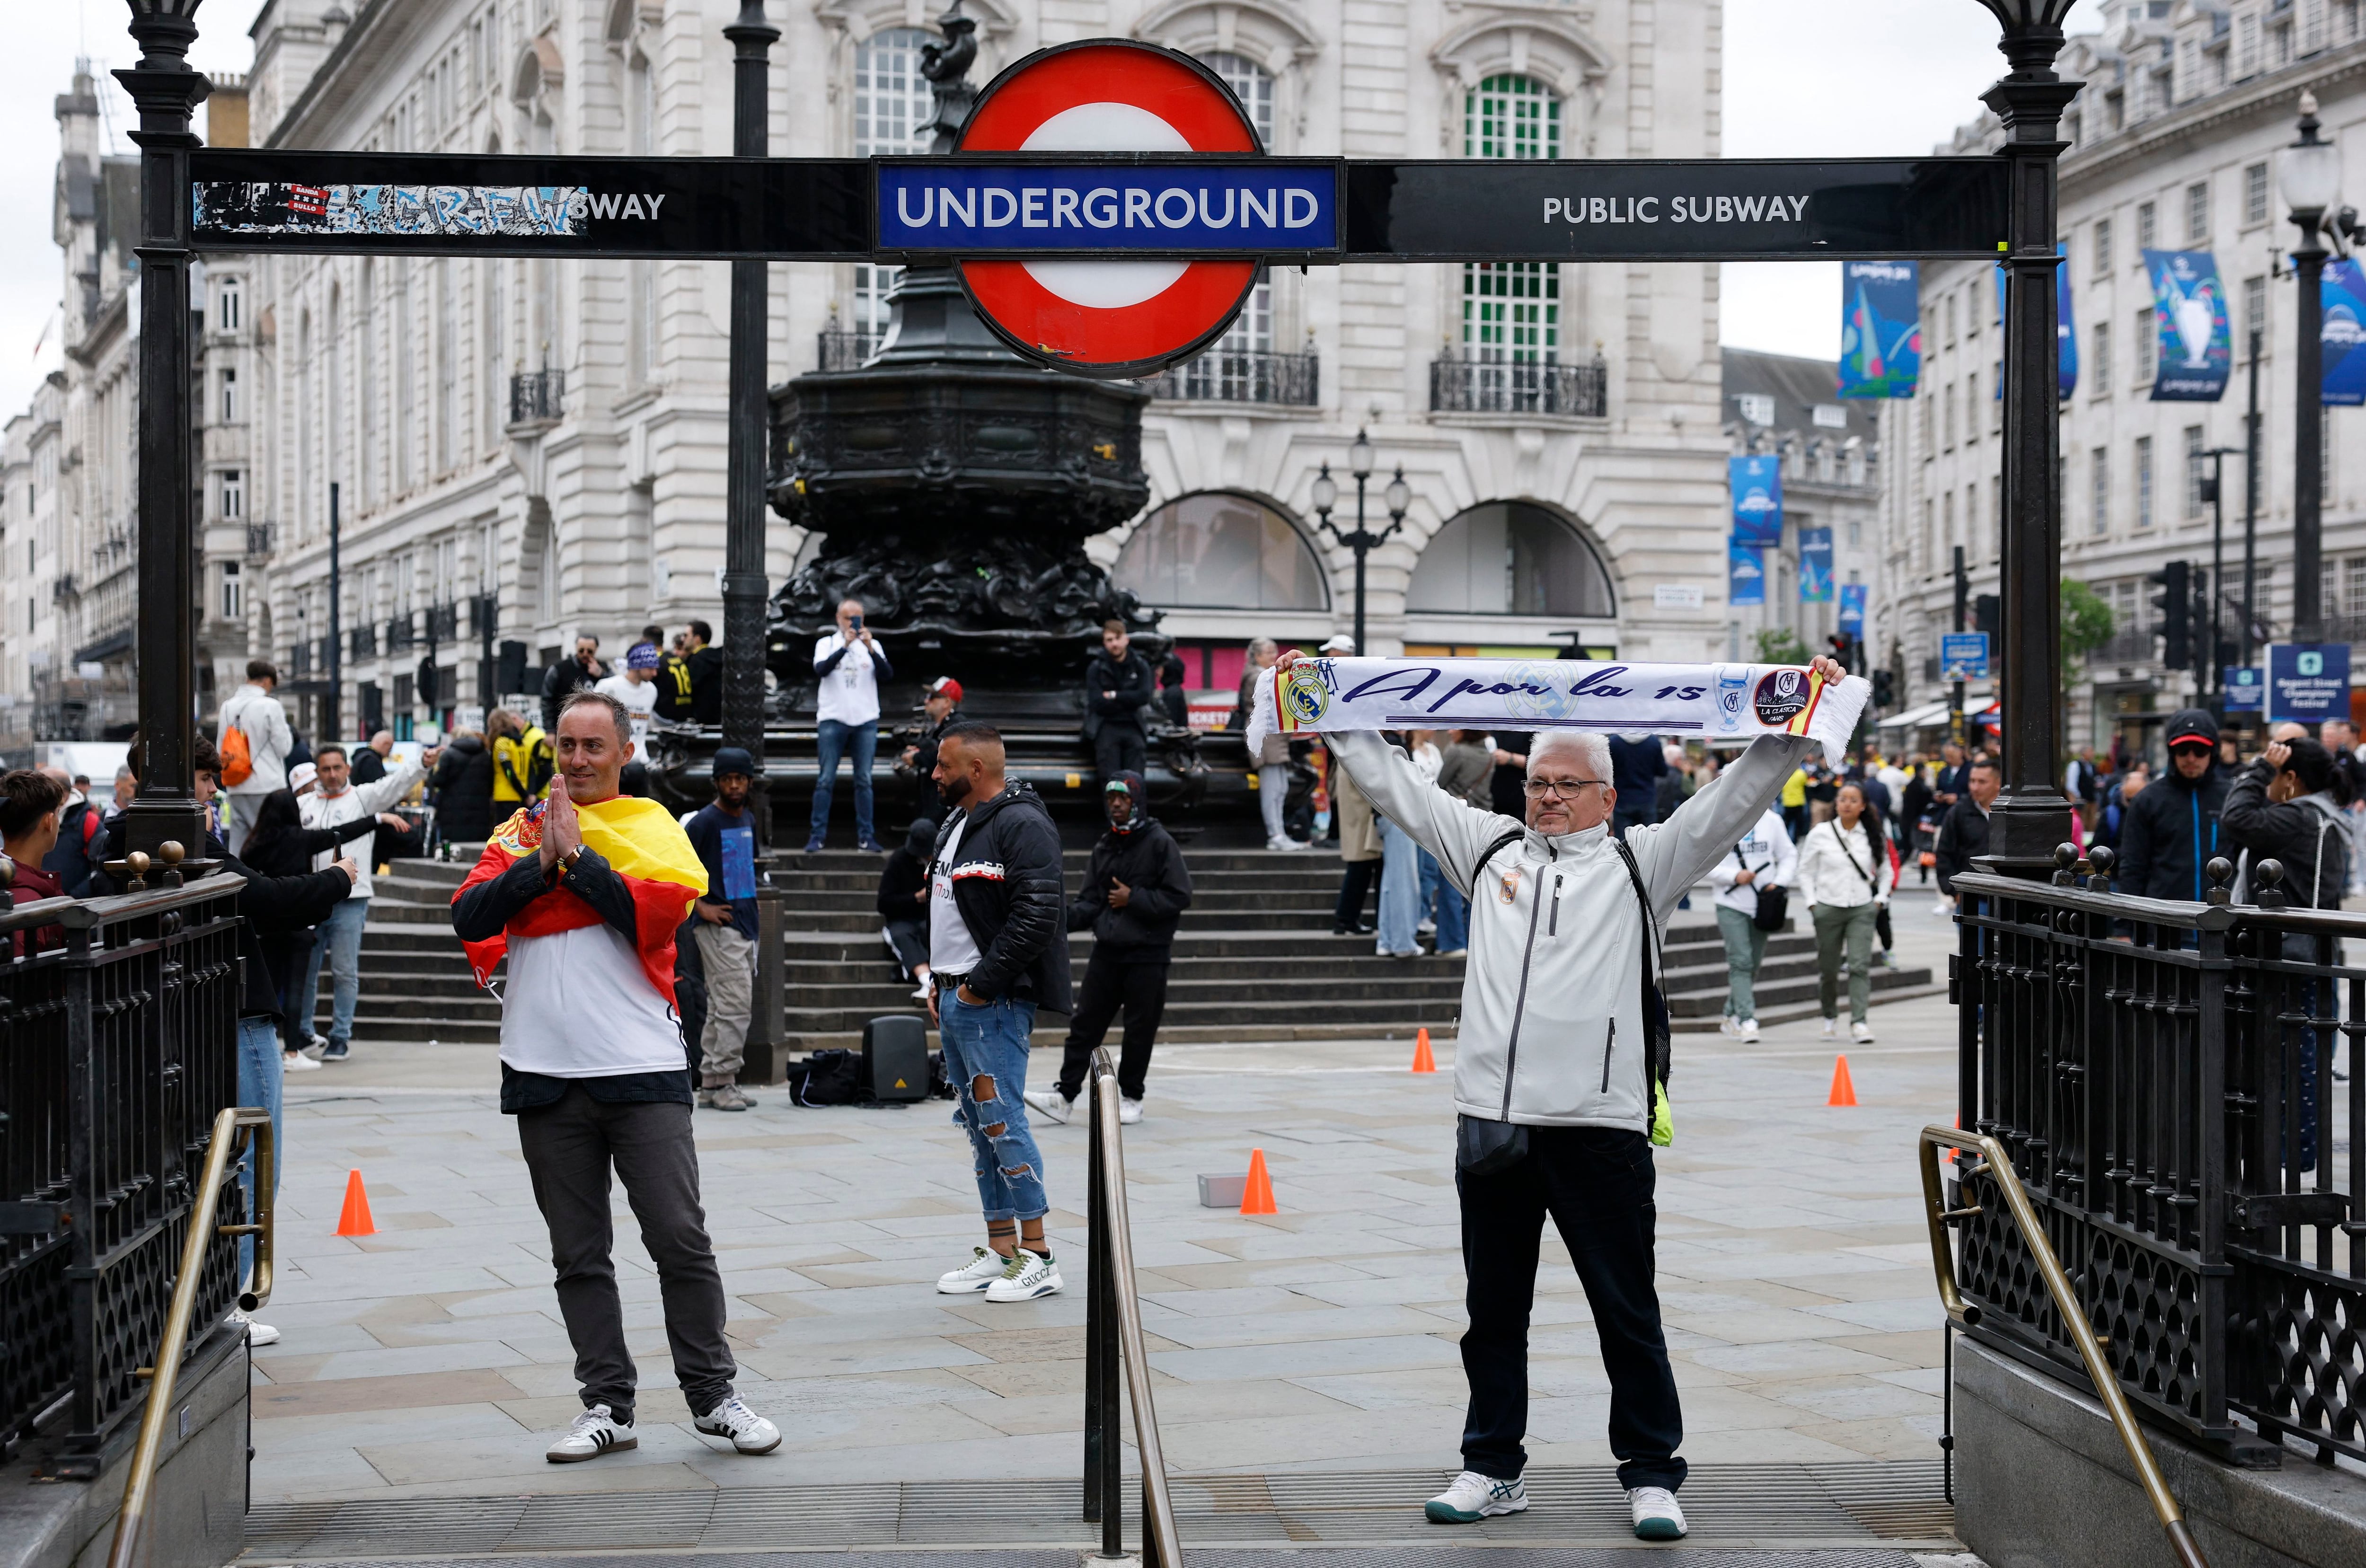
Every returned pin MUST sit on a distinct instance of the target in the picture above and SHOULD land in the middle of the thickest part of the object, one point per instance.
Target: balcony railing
(1243, 376)
(399, 634)
(1479, 385)
(2125, 648)
(537, 395)
(65, 588)
(443, 623)
(260, 539)
(844, 351)
(361, 642)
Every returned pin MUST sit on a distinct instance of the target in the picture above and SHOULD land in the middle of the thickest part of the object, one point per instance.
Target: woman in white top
(1845, 878)
(1762, 860)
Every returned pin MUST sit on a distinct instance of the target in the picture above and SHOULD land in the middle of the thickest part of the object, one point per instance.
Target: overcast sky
(1803, 78)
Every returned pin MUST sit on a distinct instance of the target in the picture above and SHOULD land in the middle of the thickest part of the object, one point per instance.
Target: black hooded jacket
(2170, 833)
(1147, 860)
(2294, 832)
(1130, 679)
(1007, 883)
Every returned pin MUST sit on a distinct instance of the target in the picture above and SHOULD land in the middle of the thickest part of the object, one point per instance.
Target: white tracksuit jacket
(1552, 1032)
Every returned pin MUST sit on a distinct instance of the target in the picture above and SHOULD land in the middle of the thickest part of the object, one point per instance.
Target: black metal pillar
(1955, 690)
(166, 91)
(329, 728)
(2308, 438)
(744, 585)
(2031, 816)
(2251, 501)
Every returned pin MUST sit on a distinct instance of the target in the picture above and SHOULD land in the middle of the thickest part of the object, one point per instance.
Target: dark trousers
(1355, 886)
(1119, 748)
(1111, 983)
(1597, 1183)
(570, 1149)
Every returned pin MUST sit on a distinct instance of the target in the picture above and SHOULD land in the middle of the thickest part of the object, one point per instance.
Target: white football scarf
(1713, 703)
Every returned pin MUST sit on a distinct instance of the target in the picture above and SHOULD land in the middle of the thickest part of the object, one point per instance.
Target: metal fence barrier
(2159, 1074)
(117, 1048)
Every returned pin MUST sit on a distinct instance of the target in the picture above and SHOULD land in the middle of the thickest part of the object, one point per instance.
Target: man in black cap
(1134, 893)
(2171, 832)
(724, 834)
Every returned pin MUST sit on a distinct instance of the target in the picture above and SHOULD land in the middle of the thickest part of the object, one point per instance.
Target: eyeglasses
(1564, 789)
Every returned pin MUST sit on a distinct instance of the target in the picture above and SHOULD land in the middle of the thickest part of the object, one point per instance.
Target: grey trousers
(1850, 929)
(570, 1149)
(730, 961)
(1745, 949)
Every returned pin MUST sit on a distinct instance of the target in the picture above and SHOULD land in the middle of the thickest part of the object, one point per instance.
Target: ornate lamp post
(2308, 173)
(1363, 541)
(166, 91)
(2030, 816)
(752, 36)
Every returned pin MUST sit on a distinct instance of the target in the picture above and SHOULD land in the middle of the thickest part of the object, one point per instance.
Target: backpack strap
(1660, 1051)
(1490, 852)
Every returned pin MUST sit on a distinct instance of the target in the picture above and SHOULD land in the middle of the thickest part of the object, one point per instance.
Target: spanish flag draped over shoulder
(640, 840)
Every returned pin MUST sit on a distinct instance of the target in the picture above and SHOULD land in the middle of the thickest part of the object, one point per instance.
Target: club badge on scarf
(1731, 702)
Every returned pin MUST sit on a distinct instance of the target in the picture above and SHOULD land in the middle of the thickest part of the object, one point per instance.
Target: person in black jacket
(569, 676)
(2292, 805)
(1964, 834)
(702, 664)
(2170, 833)
(904, 902)
(1117, 682)
(1174, 701)
(281, 845)
(997, 915)
(1134, 893)
(464, 790)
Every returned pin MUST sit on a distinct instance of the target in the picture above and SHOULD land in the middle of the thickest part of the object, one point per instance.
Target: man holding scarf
(1554, 1075)
(583, 894)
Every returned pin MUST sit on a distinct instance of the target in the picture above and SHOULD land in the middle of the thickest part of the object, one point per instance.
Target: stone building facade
(1791, 406)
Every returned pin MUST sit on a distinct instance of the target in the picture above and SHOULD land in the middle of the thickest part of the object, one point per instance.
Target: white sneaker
(1129, 1112)
(1290, 844)
(595, 1432)
(1942, 908)
(1657, 1518)
(1426, 928)
(1860, 1032)
(1027, 1275)
(985, 1265)
(1730, 1026)
(1473, 1498)
(1832, 1030)
(749, 1433)
(1750, 1029)
(317, 1048)
(299, 1063)
(258, 1334)
(1050, 1103)
(1456, 952)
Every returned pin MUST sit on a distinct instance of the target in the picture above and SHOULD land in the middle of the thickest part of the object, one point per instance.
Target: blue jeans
(339, 940)
(985, 1057)
(258, 1084)
(856, 742)
(1400, 890)
(1444, 904)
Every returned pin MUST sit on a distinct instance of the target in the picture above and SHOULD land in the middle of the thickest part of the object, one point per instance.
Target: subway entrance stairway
(1259, 918)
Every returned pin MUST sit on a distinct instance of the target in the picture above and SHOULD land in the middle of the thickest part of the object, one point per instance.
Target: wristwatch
(566, 862)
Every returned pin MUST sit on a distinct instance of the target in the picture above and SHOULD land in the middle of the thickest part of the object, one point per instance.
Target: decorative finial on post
(2267, 879)
(946, 66)
(2103, 858)
(2066, 866)
(2221, 872)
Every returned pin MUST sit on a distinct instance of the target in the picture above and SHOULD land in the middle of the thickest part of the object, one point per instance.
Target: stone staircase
(1255, 960)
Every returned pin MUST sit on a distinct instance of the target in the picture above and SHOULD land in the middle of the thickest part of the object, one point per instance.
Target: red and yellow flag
(640, 840)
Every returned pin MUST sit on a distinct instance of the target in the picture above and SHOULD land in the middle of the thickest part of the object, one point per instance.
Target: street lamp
(2308, 173)
(1363, 541)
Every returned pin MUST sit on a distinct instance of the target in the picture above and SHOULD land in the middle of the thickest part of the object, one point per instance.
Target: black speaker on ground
(896, 1057)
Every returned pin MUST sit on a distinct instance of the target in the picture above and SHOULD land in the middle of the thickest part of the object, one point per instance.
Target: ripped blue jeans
(985, 1058)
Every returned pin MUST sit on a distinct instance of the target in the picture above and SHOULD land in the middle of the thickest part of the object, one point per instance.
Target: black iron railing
(2126, 648)
(537, 395)
(399, 633)
(361, 642)
(117, 1048)
(844, 351)
(443, 622)
(1243, 376)
(2161, 1074)
(1485, 386)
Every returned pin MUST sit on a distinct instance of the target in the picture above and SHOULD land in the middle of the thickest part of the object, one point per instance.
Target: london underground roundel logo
(1109, 319)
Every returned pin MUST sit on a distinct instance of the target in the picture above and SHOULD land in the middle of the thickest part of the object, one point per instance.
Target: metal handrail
(1998, 1165)
(1113, 1286)
(167, 1369)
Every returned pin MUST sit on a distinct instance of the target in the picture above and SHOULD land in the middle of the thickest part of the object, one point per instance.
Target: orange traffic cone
(1256, 1196)
(1423, 1061)
(355, 1219)
(1843, 1090)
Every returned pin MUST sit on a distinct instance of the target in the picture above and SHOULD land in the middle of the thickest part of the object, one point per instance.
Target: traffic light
(427, 682)
(1885, 688)
(1988, 616)
(2174, 608)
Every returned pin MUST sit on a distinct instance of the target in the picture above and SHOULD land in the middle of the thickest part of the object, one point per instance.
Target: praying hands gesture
(562, 835)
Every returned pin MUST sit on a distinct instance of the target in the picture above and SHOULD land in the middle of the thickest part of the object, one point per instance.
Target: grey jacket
(1552, 1029)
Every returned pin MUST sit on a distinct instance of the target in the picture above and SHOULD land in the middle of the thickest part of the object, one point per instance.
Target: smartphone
(857, 625)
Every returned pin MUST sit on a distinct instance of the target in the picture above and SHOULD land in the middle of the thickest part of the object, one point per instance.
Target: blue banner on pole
(1757, 484)
(1746, 574)
(2245, 691)
(1815, 566)
(1853, 608)
(2065, 332)
(2344, 335)
(2307, 682)
(1881, 328)
(2193, 348)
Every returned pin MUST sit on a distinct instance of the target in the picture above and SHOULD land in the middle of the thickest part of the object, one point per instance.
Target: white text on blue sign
(1211, 209)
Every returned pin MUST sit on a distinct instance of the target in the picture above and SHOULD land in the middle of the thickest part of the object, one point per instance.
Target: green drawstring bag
(1664, 1117)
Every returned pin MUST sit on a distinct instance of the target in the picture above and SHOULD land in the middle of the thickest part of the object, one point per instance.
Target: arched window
(1221, 552)
(1252, 330)
(1507, 558)
(892, 101)
(1511, 311)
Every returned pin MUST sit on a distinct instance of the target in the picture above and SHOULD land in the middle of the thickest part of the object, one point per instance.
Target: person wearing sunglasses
(2171, 832)
(1558, 1075)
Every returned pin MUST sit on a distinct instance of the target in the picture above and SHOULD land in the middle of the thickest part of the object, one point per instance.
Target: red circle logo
(1109, 319)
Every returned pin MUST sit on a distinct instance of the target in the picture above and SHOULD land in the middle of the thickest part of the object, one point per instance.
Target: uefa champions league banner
(1745, 573)
(1853, 608)
(1881, 328)
(2066, 332)
(2195, 350)
(1712, 702)
(2343, 334)
(1815, 566)
(1757, 484)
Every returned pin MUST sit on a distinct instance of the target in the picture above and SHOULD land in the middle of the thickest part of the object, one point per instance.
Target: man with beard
(2171, 834)
(1134, 893)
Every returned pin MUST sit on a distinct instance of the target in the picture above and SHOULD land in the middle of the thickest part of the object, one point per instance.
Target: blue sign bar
(1253, 207)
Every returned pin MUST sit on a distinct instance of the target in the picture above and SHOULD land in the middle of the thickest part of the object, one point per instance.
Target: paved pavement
(429, 1360)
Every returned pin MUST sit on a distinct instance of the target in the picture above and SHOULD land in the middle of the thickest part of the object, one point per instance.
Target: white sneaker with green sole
(1474, 1497)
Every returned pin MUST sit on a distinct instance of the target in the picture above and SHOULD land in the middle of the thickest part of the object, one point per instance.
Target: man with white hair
(1556, 1075)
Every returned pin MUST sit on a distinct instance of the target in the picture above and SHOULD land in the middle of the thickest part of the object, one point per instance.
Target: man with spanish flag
(582, 893)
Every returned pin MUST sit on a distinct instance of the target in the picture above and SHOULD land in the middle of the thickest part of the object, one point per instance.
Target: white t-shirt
(850, 694)
(579, 1005)
(641, 697)
(952, 950)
